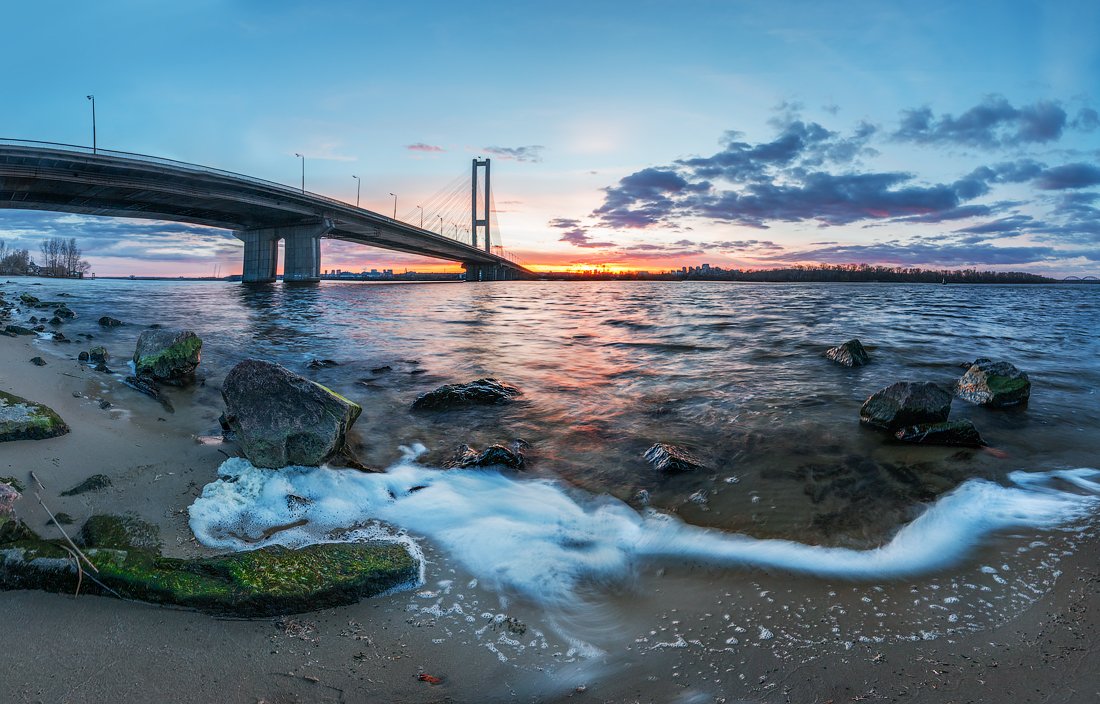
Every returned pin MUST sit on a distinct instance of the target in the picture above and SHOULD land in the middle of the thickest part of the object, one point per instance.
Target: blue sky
(642, 134)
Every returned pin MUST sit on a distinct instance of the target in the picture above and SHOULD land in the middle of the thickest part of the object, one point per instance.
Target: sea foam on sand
(540, 539)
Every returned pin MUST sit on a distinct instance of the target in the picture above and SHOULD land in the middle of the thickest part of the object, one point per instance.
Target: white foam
(542, 539)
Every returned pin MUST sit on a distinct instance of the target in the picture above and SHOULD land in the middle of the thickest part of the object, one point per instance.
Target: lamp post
(92, 98)
(394, 205)
(421, 216)
(440, 224)
(303, 170)
(358, 184)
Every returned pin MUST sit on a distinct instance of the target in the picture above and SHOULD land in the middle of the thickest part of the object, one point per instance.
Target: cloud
(1011, 225)
(422, 147)
(531, 152)
(923, 253)
(992, 123)
(575, 234)
(1087, 120)
(1069, 176)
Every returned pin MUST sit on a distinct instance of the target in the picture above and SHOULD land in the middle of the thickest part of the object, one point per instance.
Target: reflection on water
(733, 371)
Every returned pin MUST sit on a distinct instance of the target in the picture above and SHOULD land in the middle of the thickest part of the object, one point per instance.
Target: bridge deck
(136, 186)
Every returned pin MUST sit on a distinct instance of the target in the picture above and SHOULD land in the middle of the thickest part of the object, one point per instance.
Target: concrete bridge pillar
(261, 255)
(302, 252)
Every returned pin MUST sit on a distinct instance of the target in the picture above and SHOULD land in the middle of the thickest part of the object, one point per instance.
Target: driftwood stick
(79, 570)
(59, 526)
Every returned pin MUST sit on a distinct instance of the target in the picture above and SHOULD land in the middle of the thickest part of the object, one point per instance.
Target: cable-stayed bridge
(457, 224)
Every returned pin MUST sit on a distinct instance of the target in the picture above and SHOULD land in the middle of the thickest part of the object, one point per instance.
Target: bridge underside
(259, 213)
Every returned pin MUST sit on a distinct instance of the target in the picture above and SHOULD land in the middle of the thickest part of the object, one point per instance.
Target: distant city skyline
(742, 135)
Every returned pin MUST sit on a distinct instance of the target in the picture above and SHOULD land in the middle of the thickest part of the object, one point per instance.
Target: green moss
(181, 354)
(268, 581)
(356, 409)
(122, 532)
(1006, 384)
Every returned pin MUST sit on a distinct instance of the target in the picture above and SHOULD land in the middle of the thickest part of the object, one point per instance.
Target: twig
(58, 524)
(79, 570)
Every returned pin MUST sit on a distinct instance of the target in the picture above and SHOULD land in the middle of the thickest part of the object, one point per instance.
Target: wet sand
(93, 649)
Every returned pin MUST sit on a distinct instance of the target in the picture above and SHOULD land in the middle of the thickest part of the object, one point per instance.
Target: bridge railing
(289, 190)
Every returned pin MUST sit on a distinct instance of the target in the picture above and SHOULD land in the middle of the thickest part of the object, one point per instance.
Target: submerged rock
(281, 418)
(322, 363)
(150, 389)
(28, 299)
(99, 355)
(672, 458)
(109, 322)
(906, 403)
(956, 433)
(96, 482)
(482, 392)
(64, 312)
(493, 456)
(19, 330)
(21, 419)
(168, 356)
(83, 356)
(993, 384)
(265, 582)
(850, 354)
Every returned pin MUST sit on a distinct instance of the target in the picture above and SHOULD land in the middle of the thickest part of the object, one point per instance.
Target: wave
(543, 540)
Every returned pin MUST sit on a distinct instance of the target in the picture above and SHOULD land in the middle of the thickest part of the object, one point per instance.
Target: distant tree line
(60, 258)
(821, 273)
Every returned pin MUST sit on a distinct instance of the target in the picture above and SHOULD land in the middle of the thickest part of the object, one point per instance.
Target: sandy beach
(91, 649)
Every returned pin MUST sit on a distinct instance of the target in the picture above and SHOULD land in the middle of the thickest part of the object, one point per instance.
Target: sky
(640, 135)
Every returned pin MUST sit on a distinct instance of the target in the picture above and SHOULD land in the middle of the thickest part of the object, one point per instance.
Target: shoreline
(374, 651)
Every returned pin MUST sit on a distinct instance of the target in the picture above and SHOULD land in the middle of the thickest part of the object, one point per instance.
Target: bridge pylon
(301, 252)
(475, 221)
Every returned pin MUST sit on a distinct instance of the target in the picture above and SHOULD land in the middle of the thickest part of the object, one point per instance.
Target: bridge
(73, 179)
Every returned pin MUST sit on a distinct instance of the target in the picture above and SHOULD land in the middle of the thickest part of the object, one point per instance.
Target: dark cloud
(531, 152)
(992, 123)
(1069, 176)
(422, 147)
(959, 213)
(1006, 226)
(644, 198)
(1087, 120)
(575, 234)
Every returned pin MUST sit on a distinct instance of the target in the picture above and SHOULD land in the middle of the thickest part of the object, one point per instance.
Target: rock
(482, 392)
(126, 531)
(19, 330)
(379, 370)
(322, 363)
(281, 418)
(266, 582)
(56, 320)
(64, 312)
(83, 357)
(850, 354)
(906, 403)
(671, 458)
(109, 322)
(956, 433)
(28, 299)
(99, 355)
(494, 455)
(8, 496)
(96, 482)
(38, 361)
(21, 419)
(150, 389)
(60, 519)
(104, 404)
(60, 337)
(168, 356)
(103, 368)
(993, 384)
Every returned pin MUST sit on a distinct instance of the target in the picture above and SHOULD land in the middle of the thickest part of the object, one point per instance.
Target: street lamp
(440, 224)
(358, 183)
(421, 216)
(92, 98)
(303, 171)
(394, 205)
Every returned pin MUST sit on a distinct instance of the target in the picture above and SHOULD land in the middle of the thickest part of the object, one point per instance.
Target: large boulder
(168, 356)
(906, 403)
(21, 419)
(993, 384)
(281, 418)
(482, 392)
(849, 354)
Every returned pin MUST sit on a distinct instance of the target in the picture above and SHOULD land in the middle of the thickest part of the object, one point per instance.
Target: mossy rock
(127, 531)
(265, 582)
(169, 356)
(21, 419)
